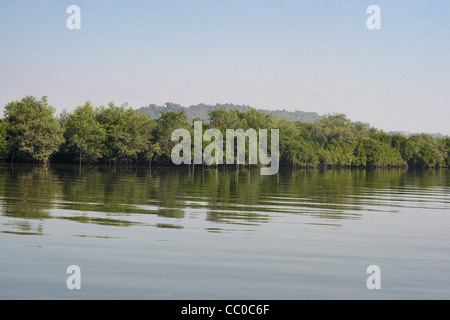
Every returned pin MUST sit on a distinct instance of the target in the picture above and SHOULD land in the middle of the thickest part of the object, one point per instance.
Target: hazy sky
(295, 55)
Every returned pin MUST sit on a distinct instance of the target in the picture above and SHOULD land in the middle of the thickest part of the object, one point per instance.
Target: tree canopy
(30, 131)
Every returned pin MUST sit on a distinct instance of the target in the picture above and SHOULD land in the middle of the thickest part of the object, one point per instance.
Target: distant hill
(202, 110)
(410, 134)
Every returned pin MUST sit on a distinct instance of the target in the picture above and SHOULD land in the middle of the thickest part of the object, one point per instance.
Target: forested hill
(202, 111)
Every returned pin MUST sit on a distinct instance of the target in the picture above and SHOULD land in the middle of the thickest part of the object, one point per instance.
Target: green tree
(428, 152)
(359, 154)
(446, 143)
(403, 145)
(223, 120)
(123, 138)
(84, 134)
(167, 123)
(5, 148)
(145, 137)
(33, 129)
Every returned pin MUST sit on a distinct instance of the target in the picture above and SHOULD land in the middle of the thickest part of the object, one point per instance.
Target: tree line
(118, 135)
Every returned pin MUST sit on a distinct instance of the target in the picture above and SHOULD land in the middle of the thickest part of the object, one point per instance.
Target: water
(169, 234)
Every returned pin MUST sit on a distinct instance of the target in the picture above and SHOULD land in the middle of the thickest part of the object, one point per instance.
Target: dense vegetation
(113, 135)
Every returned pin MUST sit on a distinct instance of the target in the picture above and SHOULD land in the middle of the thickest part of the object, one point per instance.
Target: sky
(316, 56)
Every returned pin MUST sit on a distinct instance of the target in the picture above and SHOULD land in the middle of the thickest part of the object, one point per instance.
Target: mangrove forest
(32, 132)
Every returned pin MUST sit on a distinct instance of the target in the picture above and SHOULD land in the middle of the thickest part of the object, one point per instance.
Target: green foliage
(166, 124)
(5, 147)
(446, 146)
(120, 134)
(33, 131)
(84, 134)
(128, 134)
(428, 151)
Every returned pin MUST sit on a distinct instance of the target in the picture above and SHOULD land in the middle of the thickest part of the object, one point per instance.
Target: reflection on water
(113, 197)
(97, 204)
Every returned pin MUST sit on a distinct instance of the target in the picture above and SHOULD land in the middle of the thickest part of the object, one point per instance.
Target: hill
(410, 134)
(202, 110)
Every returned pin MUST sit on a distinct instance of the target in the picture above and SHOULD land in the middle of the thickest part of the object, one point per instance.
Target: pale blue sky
(297, 55)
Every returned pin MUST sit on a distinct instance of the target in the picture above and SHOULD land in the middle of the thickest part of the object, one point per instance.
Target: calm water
(169, 234)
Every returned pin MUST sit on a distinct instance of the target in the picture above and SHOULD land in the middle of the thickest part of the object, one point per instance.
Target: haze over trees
(202, 111)
(30, 132)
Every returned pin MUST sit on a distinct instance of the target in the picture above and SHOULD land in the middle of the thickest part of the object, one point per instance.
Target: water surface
(172, 234)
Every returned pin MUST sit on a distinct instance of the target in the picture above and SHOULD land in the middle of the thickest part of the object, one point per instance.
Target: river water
(172, 234)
